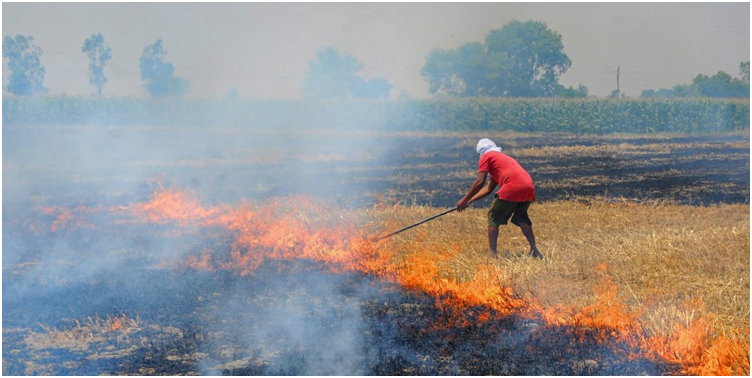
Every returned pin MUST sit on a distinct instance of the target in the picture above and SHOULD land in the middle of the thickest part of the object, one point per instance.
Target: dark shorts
(501, 211)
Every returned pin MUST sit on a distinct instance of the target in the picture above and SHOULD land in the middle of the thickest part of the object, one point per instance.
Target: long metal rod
(418, 223)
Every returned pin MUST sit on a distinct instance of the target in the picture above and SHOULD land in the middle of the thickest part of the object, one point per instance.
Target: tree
(468, 70)
(159, 75)
(617, 94)
(335, 75)
(373, 89)
(27, 72)
(720, 85)
(99, 53)
(536, 53)
(744, 72)
(661, 93)
(331, 74)
(685, 90)
(522, 59)
(580, 92)
(440, 70)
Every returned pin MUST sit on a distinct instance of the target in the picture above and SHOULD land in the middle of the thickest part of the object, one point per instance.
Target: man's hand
(462, 205)
(477, 185)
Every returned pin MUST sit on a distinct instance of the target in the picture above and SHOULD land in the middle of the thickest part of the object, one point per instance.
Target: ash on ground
(289, 318)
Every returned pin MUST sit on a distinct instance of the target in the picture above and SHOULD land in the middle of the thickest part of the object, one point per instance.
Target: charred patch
(296, 318)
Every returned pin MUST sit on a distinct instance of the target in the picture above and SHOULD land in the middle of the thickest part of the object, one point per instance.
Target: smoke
(300, 322)
(65, 178)
(75, 244)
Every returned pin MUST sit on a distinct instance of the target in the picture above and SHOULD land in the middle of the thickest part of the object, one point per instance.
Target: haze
(263, 50)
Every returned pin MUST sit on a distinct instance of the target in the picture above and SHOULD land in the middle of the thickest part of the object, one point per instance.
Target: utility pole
(618, 91)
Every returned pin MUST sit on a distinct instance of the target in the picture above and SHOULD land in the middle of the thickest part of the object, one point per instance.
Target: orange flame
(271, 233)
(201, 263)
(171, 205)
(67, 218)
(123, 322)
(693, 347)
(116, 325)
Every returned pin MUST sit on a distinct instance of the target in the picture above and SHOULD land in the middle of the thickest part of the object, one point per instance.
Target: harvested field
(363, 168)
(259, 258)
(647, 250)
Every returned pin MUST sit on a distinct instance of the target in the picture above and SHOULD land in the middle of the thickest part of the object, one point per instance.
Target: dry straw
(670, 263)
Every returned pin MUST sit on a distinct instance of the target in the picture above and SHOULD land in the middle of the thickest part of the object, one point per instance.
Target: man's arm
(477, 186)
(488, 189)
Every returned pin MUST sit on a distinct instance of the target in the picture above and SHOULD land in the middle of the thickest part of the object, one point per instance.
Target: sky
(263, 49)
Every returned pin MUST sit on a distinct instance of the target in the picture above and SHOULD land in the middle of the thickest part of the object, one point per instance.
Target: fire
(66, 218)
(122, 322)
(201, 263)
(171, 205)
(608, 316)
(116, 325)
(693, 347)
(296, 229)
(724, 357)
(422, 274)
(63, 217)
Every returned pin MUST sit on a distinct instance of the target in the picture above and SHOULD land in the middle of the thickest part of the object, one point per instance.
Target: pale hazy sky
(263, 49)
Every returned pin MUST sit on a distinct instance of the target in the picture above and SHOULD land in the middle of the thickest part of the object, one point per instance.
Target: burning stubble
(290, 288)
(231, 270)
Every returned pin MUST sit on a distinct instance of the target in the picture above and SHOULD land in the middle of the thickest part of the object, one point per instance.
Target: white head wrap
(485, 145)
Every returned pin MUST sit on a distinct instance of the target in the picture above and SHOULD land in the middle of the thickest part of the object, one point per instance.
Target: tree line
(439, 113)
(720, 85)
(519, 60)
(27, 73)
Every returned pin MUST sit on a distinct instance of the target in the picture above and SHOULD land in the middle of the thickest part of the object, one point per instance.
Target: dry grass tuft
(82, 332)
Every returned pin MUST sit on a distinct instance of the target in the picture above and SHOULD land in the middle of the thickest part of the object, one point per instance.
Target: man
(516, 193)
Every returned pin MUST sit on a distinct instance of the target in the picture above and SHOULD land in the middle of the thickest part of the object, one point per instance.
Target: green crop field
(520, 115)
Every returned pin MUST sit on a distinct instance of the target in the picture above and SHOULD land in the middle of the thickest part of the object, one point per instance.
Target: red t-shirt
(515, 183)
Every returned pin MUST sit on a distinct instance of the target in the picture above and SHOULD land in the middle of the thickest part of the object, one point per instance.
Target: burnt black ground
(76, 165)
(294, 318)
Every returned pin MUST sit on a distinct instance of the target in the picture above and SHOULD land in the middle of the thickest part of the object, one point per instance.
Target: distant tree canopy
(158, 74)
(720, 85)
(99, 53)
(744, 72)
(661, 93)
(335, 75)
(522, 59)
(27, 72)
(580, 92)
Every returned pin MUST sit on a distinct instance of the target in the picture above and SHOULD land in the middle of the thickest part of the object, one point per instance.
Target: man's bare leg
(493, 236)
(527, 230)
